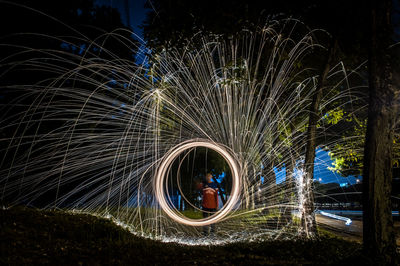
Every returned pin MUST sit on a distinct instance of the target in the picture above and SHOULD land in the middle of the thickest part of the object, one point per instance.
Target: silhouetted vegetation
(31, 236)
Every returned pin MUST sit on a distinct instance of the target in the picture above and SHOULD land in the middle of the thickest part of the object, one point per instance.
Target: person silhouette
(209, 201)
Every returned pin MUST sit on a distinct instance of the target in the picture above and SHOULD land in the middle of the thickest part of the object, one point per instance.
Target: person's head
(209, 177)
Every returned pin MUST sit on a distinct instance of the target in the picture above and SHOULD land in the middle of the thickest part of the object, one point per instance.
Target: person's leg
(206, 228)
(213, 224)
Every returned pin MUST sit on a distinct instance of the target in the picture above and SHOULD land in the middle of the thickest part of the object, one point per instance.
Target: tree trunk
(180, 202)
(271, 179)
(270, 184)
(289, 166)
(379, 238)
(291, 159)
(308, 223)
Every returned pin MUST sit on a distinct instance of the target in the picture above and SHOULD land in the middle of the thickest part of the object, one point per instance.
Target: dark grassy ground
(34, 237)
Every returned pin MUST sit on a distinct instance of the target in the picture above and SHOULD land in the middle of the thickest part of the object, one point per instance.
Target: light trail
(81, 142)
(163, 171)
(347, 221)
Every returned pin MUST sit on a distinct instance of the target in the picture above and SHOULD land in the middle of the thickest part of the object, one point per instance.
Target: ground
(30, 236)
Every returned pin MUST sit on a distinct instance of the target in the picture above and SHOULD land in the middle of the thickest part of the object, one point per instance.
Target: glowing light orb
(164, 169)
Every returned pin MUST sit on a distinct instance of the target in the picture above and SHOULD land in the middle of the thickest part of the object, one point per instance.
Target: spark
(84, 143)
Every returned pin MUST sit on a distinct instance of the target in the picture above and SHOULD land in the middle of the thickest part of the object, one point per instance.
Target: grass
(30, 236)
(192, 214)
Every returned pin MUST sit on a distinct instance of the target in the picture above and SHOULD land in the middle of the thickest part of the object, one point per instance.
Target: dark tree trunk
(289, 166)
(379, 238)
(291, 159)
(180, 203)
(271, 179)
(308, 217)
(269, 182)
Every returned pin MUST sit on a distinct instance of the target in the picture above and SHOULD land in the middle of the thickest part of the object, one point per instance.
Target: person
(209, 201)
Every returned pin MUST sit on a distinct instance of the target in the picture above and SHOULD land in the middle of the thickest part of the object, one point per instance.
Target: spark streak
(79, 141)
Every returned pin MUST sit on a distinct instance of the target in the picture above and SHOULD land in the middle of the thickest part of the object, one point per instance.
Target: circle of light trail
(163, 171)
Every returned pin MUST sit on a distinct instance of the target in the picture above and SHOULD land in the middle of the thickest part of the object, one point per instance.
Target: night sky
(132, 12)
